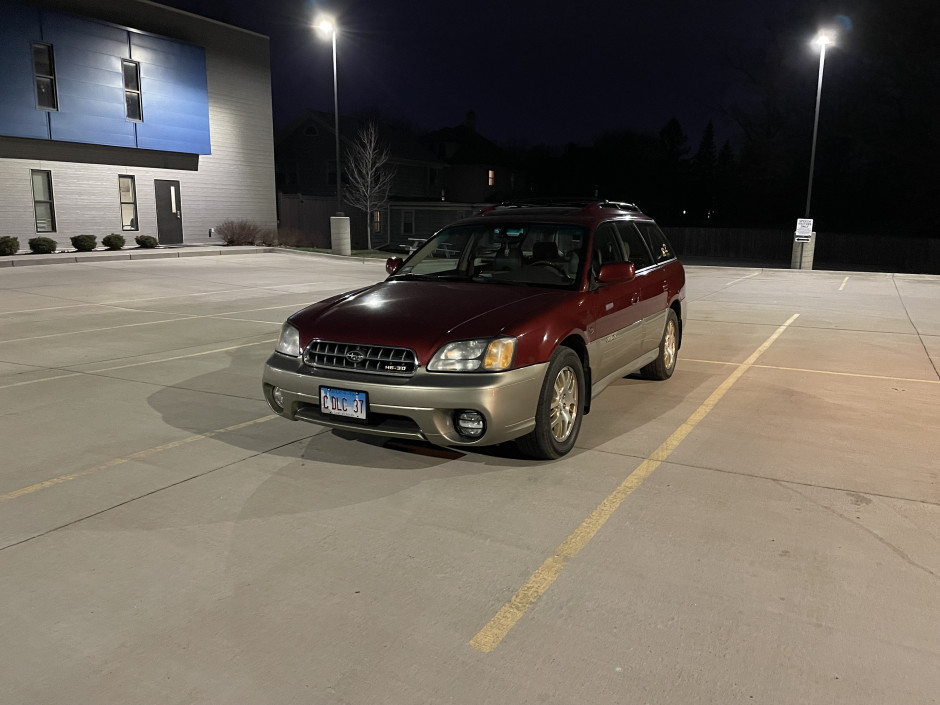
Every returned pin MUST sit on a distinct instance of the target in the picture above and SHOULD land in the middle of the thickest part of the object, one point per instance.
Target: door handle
(635, 299)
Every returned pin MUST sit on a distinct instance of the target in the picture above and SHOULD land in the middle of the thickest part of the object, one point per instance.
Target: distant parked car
(503, 326)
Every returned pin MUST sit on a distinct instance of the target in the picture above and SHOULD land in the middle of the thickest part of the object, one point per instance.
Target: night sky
(533, 72)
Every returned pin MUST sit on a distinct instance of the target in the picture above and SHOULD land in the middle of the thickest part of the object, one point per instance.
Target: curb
(31, 260)
(134, 254)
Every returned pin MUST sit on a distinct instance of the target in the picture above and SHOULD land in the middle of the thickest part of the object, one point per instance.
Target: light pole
(823, 39)
(327, 27)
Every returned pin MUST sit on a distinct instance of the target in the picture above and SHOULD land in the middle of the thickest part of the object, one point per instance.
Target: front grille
(353, 357)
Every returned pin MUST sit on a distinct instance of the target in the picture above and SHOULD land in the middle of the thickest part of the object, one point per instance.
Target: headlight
(473, 355)
(289, 341)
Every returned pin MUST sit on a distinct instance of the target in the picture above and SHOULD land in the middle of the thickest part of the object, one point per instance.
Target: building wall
(235, 181)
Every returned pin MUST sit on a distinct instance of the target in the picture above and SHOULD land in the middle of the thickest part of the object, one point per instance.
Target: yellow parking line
(844, 281)
(498, 627)
(127, 458)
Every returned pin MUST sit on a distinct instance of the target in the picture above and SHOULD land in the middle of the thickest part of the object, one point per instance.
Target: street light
(327, 28)
(823, 39)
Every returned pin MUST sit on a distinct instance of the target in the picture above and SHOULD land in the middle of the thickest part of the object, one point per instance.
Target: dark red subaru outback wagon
(503, 326)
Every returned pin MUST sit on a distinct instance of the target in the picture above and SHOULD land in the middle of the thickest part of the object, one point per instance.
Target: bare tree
(369, 175)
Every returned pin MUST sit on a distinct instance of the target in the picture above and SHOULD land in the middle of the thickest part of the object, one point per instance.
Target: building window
(128, 192)
(132, 101)
(43, 204)
(377, 221)
(491, 179)
(44, 70)
(408, 222)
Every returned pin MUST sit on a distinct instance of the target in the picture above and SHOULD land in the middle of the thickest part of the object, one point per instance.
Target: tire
(663, 366)
(560, 408)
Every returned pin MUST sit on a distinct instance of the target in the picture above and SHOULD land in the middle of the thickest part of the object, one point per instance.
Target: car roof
(581, 211)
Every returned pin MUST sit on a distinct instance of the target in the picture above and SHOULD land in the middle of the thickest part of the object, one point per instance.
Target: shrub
(290, 237)
(145, 241)
(239, 232)
(84, 243)
(113, 241)
(9, 245)
(42, 245)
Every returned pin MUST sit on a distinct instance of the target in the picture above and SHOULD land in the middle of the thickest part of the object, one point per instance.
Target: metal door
(169, 212)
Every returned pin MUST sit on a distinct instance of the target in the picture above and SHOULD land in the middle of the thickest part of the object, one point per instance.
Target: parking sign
(804, 229)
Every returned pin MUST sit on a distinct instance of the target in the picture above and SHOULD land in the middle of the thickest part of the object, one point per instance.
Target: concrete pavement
(164, 539)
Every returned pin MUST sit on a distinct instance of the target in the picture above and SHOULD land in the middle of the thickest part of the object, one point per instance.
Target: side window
(132, 102)
(43, 203)
(658, 243)
(606, 247)
(634, 245)
(128, 192)
(408, 222)
(44, 74)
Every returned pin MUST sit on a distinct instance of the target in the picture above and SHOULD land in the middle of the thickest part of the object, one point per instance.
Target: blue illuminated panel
(90, 84)
(174, 94)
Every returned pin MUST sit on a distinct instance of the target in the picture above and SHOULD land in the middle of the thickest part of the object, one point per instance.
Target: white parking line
(741, 279)
(123, 302)
(818, 372)
(136, 364)
(45, 484)
(181, 317)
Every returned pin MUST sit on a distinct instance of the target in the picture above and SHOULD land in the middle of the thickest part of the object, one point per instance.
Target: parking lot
(762, 528)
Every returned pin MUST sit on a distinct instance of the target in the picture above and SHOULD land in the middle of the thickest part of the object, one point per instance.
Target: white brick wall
(235, 182)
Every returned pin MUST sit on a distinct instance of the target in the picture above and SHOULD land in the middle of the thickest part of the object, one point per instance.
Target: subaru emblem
(355, 356)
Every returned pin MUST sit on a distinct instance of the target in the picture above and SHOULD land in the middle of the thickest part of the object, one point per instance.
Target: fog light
(278, 394)
(469, 424)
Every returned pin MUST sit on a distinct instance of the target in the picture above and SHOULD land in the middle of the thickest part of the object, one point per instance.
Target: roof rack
(574, 204)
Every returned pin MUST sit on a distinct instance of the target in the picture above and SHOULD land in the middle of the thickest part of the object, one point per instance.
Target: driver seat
(545, 252)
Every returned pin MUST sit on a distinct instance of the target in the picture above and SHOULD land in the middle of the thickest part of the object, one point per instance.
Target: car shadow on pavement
(231, 395)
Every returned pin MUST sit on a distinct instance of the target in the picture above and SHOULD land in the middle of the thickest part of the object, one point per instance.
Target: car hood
(421, 315)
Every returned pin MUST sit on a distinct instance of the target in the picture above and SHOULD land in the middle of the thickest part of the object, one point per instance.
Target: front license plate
(343, 402)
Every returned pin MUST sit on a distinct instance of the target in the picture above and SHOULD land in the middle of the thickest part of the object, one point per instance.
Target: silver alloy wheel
(564, 409)
(669, 345)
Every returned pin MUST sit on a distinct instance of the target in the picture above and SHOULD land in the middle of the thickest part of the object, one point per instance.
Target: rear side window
(607, 246)
(657, 241)
(634, 245)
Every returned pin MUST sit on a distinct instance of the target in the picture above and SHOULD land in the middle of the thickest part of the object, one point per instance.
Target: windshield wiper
(433, 277)
(411, 276)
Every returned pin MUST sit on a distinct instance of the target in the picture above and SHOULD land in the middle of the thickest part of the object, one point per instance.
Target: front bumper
(419, 407)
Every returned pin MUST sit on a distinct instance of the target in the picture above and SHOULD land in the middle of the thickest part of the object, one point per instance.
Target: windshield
(535, 254)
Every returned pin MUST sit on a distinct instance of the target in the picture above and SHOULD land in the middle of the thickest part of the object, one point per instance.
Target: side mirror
(616, 272)
(393, 264)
